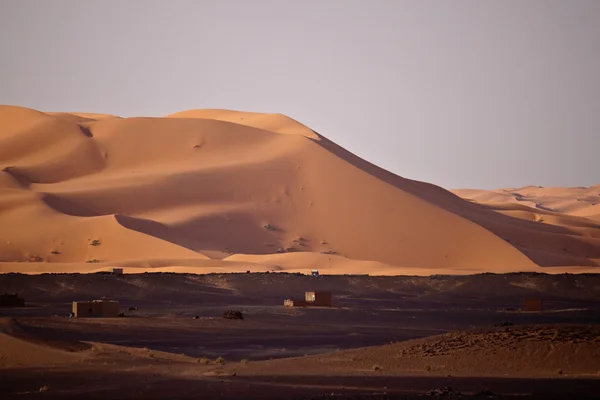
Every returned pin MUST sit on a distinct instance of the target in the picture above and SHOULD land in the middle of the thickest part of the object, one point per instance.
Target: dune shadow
(127, 383)
(68, 207)
(233, 234)
(21, 178)
(511, 229)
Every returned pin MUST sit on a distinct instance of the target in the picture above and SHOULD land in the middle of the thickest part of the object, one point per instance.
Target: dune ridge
(223, 190)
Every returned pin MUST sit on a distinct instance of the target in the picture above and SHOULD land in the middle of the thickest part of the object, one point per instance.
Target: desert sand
(214, 210)
(384, 337)
(573, 201)
(227, 191)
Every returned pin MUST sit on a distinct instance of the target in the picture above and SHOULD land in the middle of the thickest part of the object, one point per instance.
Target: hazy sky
(479, 94)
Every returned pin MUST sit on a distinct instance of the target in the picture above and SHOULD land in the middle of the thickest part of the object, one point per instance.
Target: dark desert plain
(214, 210)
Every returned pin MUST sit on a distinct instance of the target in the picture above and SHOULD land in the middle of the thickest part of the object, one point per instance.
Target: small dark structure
(314, 272)
(312, 299)
(233, 314)
(532, 305)
(11, 300)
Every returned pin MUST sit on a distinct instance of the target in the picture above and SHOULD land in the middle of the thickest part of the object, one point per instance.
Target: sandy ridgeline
(218, 191)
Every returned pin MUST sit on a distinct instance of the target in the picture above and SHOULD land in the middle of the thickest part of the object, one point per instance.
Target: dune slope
(215, 183)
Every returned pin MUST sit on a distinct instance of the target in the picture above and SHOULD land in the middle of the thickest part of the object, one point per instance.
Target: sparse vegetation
(93, 260)
(428, 368)
(34, 258)
(55, 252)
(244, 361)
(95, 242)
(220, 361)
(233, 314)
(203, 361)
(269, 227)
(329, 252)
(377, 368)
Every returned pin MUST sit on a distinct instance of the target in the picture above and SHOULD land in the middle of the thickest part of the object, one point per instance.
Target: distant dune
(576, 201)
(220, 190)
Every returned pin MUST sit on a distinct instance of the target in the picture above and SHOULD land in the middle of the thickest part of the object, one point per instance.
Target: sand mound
(19, 348)
(530, 351)
(214, 183)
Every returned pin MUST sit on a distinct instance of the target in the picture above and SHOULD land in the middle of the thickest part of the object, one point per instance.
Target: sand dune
(20, 349)
(203, 186)
(577, 201)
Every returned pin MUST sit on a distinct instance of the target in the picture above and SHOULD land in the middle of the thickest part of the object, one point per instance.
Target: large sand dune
(220, 190)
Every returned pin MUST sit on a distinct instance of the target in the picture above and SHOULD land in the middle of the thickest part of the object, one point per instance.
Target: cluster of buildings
(111, 308)
(311, 299)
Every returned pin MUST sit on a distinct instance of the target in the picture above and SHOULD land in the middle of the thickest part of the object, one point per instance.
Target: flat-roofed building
(96, 309)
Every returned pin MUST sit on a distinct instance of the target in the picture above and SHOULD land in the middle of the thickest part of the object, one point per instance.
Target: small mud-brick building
(311, 299)
(532, 305)
(96, 308)
(320, 299)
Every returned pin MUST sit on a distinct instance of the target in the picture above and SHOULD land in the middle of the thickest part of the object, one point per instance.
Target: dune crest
(210, 184)
(270, 122)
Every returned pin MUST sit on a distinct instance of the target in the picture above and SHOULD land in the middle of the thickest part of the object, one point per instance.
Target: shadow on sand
(97, 383)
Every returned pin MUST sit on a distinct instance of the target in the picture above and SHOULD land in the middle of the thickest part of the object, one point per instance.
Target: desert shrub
(377, 368)
(428, 368)
(203, 360)
(244, 361)
(332, 252)
(93, 260)
(95, 242)
(233, 314)
(269, 227)
(220, 360)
